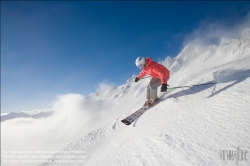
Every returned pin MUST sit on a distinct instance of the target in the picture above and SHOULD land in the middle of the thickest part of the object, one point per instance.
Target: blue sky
(50, 48)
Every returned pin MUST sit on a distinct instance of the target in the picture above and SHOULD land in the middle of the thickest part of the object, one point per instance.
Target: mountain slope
(189, 126)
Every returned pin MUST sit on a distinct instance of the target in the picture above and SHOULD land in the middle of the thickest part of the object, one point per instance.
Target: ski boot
(148, 103)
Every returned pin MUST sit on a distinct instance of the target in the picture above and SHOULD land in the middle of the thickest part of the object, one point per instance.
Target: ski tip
(125, 122)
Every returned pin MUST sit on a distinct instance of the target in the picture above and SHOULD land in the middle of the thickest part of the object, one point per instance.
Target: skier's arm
(142, 74)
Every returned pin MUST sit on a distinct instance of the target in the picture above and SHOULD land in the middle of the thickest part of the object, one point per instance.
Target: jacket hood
(148, 60)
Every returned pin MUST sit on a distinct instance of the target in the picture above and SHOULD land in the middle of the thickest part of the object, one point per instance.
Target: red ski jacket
(156, 70)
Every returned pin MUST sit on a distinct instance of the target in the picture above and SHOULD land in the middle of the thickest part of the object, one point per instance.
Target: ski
(131, 118)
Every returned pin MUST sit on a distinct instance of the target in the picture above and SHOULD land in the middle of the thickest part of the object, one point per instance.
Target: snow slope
(190, 126)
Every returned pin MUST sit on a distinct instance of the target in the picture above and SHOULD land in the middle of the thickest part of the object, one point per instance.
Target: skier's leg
(153, 85)
(148, 92)
(148, 103)
(152, 89)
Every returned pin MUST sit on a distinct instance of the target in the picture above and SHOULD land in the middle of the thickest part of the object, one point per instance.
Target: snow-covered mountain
(26, 114)
(190, 126)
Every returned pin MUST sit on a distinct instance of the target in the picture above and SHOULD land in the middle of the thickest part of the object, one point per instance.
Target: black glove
(164, 87)
(137, 79)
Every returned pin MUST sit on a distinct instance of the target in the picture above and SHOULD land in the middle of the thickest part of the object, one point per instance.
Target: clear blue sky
(59, 47)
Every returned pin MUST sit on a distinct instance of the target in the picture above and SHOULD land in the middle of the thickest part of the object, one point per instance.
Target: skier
(160, 76)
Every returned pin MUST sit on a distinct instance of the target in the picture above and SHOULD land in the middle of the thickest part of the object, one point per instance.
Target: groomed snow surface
(190, 126)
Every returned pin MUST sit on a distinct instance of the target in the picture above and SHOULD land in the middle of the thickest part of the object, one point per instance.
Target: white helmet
(140, 61)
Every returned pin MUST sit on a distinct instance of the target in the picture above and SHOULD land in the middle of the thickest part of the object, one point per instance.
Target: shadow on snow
(224, 76)
(229, 75)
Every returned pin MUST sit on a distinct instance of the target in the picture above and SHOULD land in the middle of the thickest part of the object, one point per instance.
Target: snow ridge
(37, 114)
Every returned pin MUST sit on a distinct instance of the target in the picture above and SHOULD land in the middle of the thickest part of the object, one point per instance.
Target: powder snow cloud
(211, 32)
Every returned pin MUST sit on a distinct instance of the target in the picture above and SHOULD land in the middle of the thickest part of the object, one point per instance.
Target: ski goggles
(140, 66)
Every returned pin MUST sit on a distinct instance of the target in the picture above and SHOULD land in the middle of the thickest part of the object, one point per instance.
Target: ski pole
(145, 77)
(140, 78)
(191, 85)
